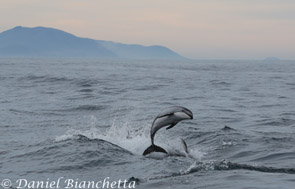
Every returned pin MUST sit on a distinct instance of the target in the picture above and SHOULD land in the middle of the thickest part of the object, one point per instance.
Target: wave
(83, 108)
(227, 165)
(33, 113)
(277, 122)
(150, 87)
(79, 82)
(44, 78)
(222, 165)
(88, 108)
(219, 83)
(74, 153)
(276, 156)
(22, 111)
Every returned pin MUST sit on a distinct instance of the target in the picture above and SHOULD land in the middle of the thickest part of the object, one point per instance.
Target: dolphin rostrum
(168, 117)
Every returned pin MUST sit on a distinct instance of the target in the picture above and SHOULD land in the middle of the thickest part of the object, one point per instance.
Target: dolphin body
(168, 117)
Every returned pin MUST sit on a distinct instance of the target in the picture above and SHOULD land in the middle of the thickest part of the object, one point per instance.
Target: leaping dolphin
(168, 117)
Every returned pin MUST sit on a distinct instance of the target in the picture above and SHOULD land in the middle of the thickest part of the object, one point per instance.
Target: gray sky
(203, 29)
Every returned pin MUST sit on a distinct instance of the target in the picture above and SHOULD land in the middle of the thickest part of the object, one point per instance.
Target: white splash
(130, 136)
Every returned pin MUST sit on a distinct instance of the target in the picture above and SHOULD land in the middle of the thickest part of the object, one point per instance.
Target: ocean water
(89, 120)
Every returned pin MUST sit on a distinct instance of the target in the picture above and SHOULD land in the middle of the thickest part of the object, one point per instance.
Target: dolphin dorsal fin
(184, 146)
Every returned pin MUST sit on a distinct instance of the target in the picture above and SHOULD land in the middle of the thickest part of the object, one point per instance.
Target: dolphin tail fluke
(153, 148)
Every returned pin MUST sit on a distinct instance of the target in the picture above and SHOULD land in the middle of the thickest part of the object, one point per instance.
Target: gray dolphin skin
(168, 117)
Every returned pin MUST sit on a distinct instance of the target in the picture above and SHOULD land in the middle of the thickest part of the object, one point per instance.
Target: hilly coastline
(49, 42)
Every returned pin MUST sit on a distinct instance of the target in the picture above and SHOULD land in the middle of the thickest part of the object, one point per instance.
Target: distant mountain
(271, 58)
(49, 42)
(138, 51)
